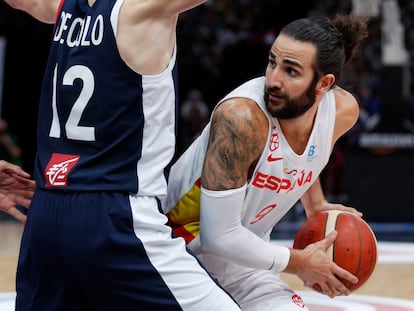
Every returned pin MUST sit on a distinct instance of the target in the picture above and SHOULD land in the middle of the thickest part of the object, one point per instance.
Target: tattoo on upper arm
(236, 141)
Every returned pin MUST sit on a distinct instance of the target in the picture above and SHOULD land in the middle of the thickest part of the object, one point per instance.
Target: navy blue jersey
(102, 126)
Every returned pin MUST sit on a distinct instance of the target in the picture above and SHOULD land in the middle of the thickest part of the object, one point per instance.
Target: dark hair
(336, 39)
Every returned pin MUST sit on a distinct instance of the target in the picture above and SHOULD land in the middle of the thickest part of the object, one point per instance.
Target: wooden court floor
(390, 279)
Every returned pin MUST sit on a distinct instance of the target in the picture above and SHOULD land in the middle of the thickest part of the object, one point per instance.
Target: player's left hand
(16, 188)
(326, 206)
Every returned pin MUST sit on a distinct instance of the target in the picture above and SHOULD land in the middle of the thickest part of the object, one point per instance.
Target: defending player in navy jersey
(263, 150)
(95, 238)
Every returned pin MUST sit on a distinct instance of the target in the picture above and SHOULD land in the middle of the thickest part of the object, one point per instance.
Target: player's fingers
(328, 289)
(351, 210)
(329, 239)
(339, 288)
(28, 184)
(22, 197)
(26, 194)
(337, 283)
(23, 202)
(17, 214)
(343, 208)
(13, 169)
(344, 275)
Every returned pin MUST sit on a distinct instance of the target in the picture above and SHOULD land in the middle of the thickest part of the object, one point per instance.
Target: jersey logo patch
(270, 158)
(58, 168)
(273, 146)
(298, 301)
(274, 142)
(312, 152)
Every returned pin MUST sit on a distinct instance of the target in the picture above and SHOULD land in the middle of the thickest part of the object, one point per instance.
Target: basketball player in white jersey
(16, 188)
(264, 148)
(95, 237)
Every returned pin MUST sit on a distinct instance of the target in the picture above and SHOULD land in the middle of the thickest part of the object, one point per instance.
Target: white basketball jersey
(280, 177)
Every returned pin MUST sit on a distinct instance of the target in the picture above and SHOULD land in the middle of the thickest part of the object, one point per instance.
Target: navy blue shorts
(108, 251)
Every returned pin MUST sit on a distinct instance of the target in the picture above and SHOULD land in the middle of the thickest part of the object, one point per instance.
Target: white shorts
(254, 290)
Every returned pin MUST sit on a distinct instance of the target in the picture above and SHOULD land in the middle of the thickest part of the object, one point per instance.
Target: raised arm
(176, 6)
(148, 28)
(43, 10)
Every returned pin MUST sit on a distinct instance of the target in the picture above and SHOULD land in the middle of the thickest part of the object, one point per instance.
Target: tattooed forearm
(237, 137)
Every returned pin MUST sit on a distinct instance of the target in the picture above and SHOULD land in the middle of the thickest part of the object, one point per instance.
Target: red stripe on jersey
(182, 232)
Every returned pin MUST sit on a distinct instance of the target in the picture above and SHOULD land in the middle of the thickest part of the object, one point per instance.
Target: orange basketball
(355, 247)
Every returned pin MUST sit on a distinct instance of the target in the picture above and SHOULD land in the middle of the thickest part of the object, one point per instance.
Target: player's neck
(298, 130)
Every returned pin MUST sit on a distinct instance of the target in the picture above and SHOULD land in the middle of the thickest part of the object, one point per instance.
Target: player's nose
(275, 78)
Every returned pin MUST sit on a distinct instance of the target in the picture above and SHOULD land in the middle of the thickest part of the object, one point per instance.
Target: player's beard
(294, 106)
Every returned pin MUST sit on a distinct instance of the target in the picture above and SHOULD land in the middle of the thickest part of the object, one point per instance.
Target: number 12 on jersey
(72, 127)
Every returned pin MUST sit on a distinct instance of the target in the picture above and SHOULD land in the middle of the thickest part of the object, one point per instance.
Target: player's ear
(325, 83)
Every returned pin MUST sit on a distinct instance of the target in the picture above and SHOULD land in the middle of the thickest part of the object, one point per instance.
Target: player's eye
(272, 63)
(292, 72)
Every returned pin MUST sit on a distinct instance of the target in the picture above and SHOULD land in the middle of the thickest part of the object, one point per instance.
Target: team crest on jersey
(298, 301)
(273, 146)
(274, 142)
(58, 168)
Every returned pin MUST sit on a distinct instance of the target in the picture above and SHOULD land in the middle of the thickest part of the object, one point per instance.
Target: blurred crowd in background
(226, 42)
(221, 44)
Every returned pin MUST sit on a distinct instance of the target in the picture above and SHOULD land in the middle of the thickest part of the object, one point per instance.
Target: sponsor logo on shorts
(298, 301)
(58, 168)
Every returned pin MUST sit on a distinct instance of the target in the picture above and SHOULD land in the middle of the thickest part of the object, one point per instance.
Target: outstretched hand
(16, 188)
(317, 270)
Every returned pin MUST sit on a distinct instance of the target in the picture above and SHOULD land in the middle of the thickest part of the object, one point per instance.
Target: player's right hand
(314, 267)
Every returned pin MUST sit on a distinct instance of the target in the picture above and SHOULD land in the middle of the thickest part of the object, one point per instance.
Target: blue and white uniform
(278, 181)
(95, 239)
